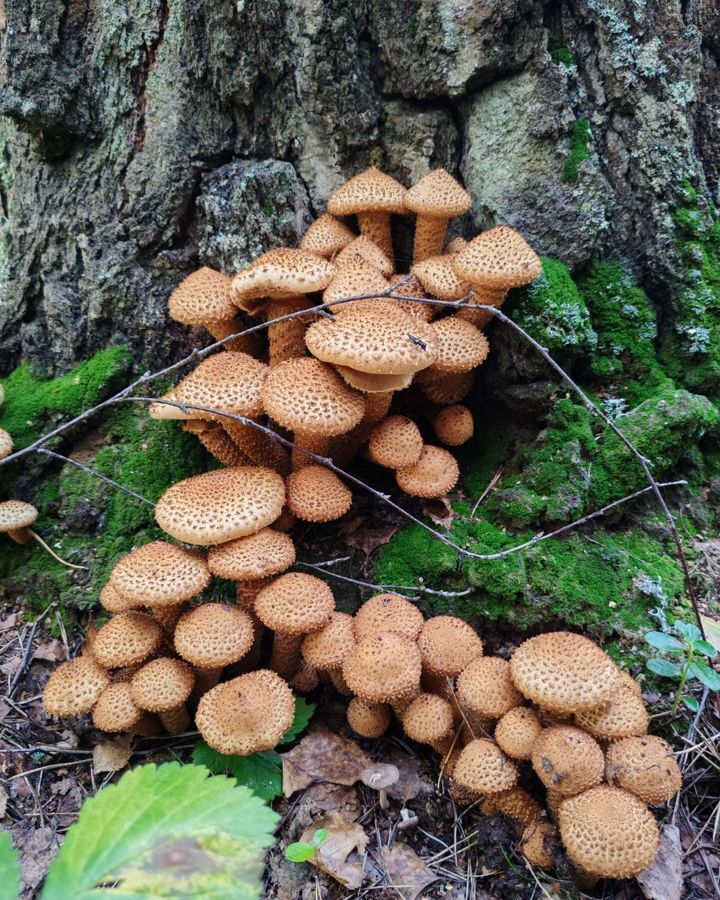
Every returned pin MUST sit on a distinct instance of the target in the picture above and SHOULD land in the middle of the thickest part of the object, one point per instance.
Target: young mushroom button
(6, 443)
(384, 668)
(163, 686)
(395, 443)
(486, 688)
(482, 768)
(326, 236)
(388, 612)
(567, 760)
(115, 710)
(315, 494)
(447, 645)
(434, 474)
(645, 766)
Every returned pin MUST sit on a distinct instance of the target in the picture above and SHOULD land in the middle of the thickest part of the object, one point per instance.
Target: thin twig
(385, 587)
(95, 474)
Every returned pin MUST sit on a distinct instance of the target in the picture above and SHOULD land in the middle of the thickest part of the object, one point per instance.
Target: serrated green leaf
(665, 642)
(261, 772)
(706, 648)
(691, 702)
(709, 677)
(299, 851)
(9, 868)
(168, 831)
(303, 713)
(664, 667)
(688, 630)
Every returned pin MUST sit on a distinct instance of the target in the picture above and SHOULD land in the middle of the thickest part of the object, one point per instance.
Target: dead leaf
(335, 798)
(4, 710)
(407, 787)
(663, 880)
(322, 756)
(111, 756)
(712, 630)
(369, 539)
(12, 665)
(90, 632)
(3, 801)
(342, 854)
(52, 651)
(405, 871)
(439, 511)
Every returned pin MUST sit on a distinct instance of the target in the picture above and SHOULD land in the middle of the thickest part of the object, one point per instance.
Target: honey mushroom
(211, 637)
(326, 236)
(163, 686)
(16, 517)
(436, 198)
(387, 612)
(315, 494)
(129, 638)
(326, 650)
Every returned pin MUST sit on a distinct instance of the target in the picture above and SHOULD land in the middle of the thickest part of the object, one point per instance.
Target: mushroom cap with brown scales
(454, 425)
(434, 474)
(219, 444)
(268, 552)
(485, 687)
(388, 612)
(162, 684)
(6, 443)
(354, 279)
(515, 803)
(384, 668)
(567, 760)
(326, 236)
(517, 730)
(370, 191)
(115, 710)
(328, 648)
(246, 715)
(306, 395)
(540, 841)
(282, 272)
(114, 602)
(448, 645)
(127, 639)
(159, 574)
(214, 635)
(438, 278)
(369, 720)
(74, 687)
(229, 381)
(428, 719)
(367, 251)
(204, 296)
(645, 766)
(498, 259)
(624, 715)
(295, 603)
(410, 286)
(461, 346)
(563, 672)
(221, 505)
(445, 389)
(373, 384)
(456, 245)
(165, 411)
(396, 442)
(608, 832)
(380, 340)
(438, 195)
(16, 514)
(315, 494)
(483, 768)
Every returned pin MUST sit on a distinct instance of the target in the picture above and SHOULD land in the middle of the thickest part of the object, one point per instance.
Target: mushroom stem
(429, 237)
(285, 655)
(480, 317)
(175, 720)
(315, 443)
(167, 616)
(376, 226)
(245, 593)
(205, 679)
(222, 328)
(23, 535)
(286, 340)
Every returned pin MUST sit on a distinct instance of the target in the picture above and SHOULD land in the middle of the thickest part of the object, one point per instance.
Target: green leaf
(664, 667)
(303, 713)
(320, 836)
(261, 772)
(299, 851)
(665, 642)
(709, 677)
(9, 868)
(706, 648)
(687, 630)
(691, 702)
(168, 831)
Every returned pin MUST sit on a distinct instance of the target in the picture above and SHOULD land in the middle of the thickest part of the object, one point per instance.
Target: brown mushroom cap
(113, 602)
(608, 832)
(388, 612)
(438, 277)
(645, 766)
(461, 345)
(115, 710)
(165, 411)
(355, 278)
(295, 603)
(384, 668)
(396, 443)
(410, 286)
(563, 672)
(428, 719)
(433, 475)
(515, 803)
(517, 730)
(498, 259)
(246, 715)
(454, 425)
(315, 494)
(448, 645)
(367, 251)
(326, 235)
(204, 296)
(6, 443)
(222, 505)
(268, 552)
(567, 760)
(624, 715)
(327, 648)
(214, 635)
(369, 720)
(229, 381)
(438, 195)
(370, 191)
(308, 396)
(539, 841)
(15, 514)
(162, 684)
(278, 273)
(485, 687)
(126, 640)
(483, 768)
(159, 574)
(74, 687)
(456, 245)
(444, 389)
(373, 384)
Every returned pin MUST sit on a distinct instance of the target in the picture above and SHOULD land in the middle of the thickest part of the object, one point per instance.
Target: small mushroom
(326, 236)
(16, 517)
(384, 668)
(486, 688)
(517, 730)
(482, 768)
(163, 686)
(326, 650)
(115, 710)
(315, 494)
(366, 251)
(434, 474)
(645, 766)
(567, 760)
(396, 443)
(454, 425)
(388, 612)
(379, 777)
(369, 720)
(447, 645)
(436, 198)
(6, 443)
(211, 637)
(127, 639)
(74, 687)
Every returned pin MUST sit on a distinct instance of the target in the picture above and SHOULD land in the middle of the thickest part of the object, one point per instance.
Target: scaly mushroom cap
(16, 514)
(229, 381)
(315, 494)
(567, 760)
(246, 715)
(445, 389)
(486, 688)
(369, 720)
(608, 832)
(539, 840)
(307, 396)
(456, 245)
(278, 273)
(373, 384)
(327, 649)
(295, 603)
(6, 443)
(214, 635)
(164, 411)
(517, 730)
(563, 672)
(498, 259)
(74, 687)
(162, 684)
(433, 475)
(448, 645)
(204, 296)
(158, 574)
(115, 710)
(438, 277)
(624, 715)
(461, 346)
(126, 640)
(412, 288)
(396, 443)
(354, 279)
(326, 235)
(428, 719)
(367, 251)
(515, 803)
(114, 602)
(250, 558)
(370, 191)
(382, 340)
(388, 612)
(219, 444)
(384, 668)
(483, 768)
(454, 425)
(645, 766)
(222, 505)
(438, 196)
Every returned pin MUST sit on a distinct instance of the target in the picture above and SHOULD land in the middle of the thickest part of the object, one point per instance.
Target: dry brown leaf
(3, 801)
(111, 756)
(51, 651)
(663, 880)
(322, 756)
(369, 539)
(342, 854)
(90, 632)
(439, 511)
(711, 627)
(4, 710)
(335, 798)
(405, 871)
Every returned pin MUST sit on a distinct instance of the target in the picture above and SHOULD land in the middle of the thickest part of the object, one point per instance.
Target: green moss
(579, 140)
(561, 54)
